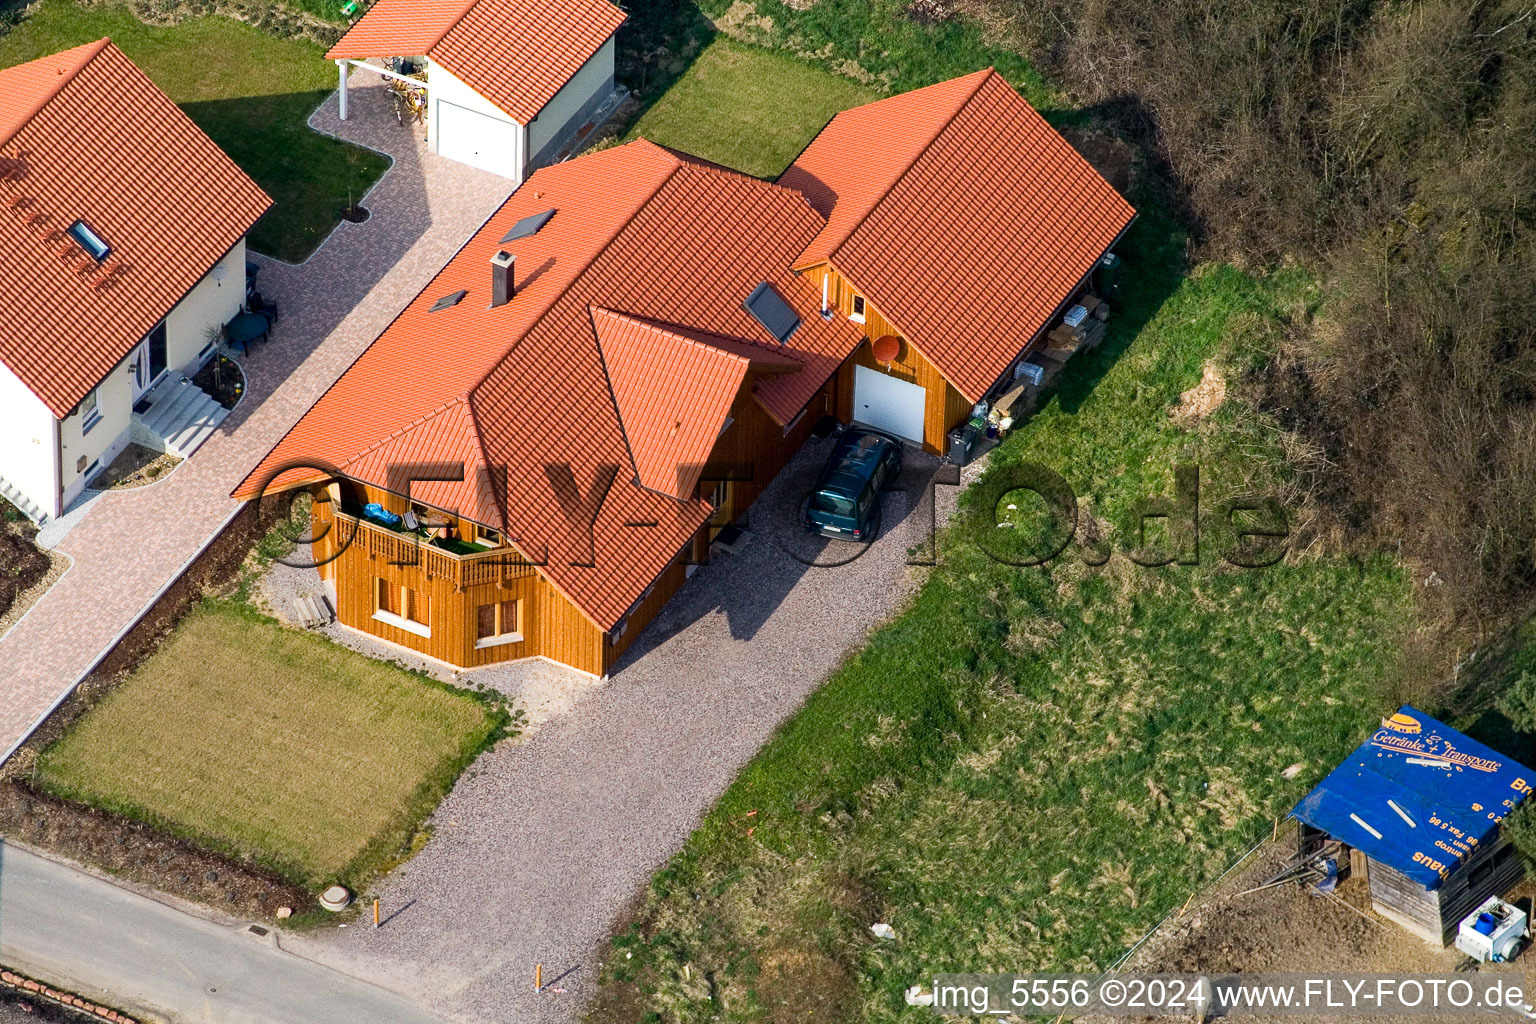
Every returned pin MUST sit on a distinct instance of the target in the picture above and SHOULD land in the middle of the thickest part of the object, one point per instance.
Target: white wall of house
(26, 442)
(88, 443)
(213, 300)
(443, 86)
(569, 108)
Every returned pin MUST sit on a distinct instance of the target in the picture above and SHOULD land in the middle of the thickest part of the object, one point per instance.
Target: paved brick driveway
(130, 544)
(541, 845)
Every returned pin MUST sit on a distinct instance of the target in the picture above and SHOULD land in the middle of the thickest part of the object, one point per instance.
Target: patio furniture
(256, 304)
(246, 328)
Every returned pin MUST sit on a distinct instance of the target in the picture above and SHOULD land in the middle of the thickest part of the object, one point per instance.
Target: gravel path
(542, 843)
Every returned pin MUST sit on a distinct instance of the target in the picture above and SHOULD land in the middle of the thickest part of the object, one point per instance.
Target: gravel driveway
(541, 845)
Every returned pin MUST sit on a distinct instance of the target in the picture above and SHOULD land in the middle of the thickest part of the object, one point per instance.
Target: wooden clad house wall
(944, 408)
(668, 583)
(550, 625)
(756, 441)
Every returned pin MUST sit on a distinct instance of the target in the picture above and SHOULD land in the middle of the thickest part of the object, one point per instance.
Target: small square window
(89, 240)
(89, 410)
(857, 316)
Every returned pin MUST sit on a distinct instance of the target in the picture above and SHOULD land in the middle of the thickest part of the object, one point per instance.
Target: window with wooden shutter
(418, 606)
(499, 623)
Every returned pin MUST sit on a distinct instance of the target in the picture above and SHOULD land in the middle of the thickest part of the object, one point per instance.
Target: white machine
(1494, 931)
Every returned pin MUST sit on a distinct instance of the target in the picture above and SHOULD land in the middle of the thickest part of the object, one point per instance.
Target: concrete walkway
(130, 544)
(107, 943)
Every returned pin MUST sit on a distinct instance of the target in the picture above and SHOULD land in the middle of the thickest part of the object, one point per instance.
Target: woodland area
(1388, 148)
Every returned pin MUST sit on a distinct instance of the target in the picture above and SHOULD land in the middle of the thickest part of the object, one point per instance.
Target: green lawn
(747, 108)
(1030, 767)
(273, 745)
(251, 92)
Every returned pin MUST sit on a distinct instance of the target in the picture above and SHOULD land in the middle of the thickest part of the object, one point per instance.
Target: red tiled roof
(144, 177)
(674, 388)
(399, 28)
(515, 53)
(636, 229)
(967, 227)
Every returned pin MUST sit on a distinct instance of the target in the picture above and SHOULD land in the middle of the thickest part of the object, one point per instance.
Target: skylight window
(527, 226)
(451, 299)
(89, 240)
(769, 309)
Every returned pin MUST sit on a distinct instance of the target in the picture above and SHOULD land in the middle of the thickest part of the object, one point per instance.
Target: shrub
(1519, 827)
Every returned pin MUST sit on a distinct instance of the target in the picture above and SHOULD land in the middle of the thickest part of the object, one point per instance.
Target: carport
(506, 115)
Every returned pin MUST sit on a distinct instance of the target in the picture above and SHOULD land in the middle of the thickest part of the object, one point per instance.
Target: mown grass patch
(250, 91)
(747, 108)
(273, 745)
(1032, 766)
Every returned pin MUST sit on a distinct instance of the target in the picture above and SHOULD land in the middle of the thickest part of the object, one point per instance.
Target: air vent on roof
(527, 226)
(451, 299)
(89, 240)
(770, 310)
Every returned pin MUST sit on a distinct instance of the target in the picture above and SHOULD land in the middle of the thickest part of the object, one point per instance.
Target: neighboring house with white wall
(124, 242)
(509, 86)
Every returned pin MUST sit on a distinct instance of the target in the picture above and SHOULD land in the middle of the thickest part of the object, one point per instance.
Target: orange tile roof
(967, 227)
(635, 229)
(674, 388)
(515, 53)
(159, 192)
(399, 28)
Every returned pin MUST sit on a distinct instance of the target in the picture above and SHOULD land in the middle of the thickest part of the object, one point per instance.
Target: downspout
(58, 469)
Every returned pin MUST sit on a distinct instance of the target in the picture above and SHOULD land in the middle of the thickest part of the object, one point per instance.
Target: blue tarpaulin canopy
(1418, 796)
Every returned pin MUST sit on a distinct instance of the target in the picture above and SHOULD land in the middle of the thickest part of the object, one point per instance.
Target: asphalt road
(105, 942)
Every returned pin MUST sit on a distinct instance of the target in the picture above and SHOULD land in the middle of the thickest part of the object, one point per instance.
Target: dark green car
(846, 501)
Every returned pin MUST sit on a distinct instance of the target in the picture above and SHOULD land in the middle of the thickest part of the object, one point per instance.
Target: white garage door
(886, 403)
(472, 138)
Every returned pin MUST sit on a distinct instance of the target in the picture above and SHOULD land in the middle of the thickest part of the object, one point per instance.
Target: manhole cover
(336, 898)
(257, 929)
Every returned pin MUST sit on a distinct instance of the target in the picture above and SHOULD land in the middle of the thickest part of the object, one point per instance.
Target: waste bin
(962, 442)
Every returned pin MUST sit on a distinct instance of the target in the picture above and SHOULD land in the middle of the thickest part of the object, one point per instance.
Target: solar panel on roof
(769, 309)
(528, 226)
(451, 299)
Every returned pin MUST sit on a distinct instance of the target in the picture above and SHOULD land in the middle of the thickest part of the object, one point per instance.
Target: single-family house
(123, 228)
(510, 84)
(529, 458)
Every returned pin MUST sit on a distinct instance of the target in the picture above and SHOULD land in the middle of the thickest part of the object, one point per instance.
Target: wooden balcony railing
(494, 565)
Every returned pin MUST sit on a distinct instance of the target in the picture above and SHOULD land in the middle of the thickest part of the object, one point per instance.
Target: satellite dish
(886, 348)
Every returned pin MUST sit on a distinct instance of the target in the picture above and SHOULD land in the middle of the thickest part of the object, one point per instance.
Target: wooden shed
(1419, 804)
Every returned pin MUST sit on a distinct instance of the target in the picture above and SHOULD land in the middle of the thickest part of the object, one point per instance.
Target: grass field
(273, 745)
(251, 92)
(747, 108)
(1032, 766)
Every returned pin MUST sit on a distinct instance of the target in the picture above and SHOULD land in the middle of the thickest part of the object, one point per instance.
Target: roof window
(89, 240)
(769, 309)
(527, 226)
(451, 299)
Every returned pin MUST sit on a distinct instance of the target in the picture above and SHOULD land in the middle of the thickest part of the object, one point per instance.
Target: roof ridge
(673, 328)
(981, 78)
(400, 432)
(473, 389)
(63, 80)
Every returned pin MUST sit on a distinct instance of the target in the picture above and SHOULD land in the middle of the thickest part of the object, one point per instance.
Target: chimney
(501, 278)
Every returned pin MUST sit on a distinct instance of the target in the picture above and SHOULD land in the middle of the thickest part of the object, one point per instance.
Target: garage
(888, 403)
(478, 140)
